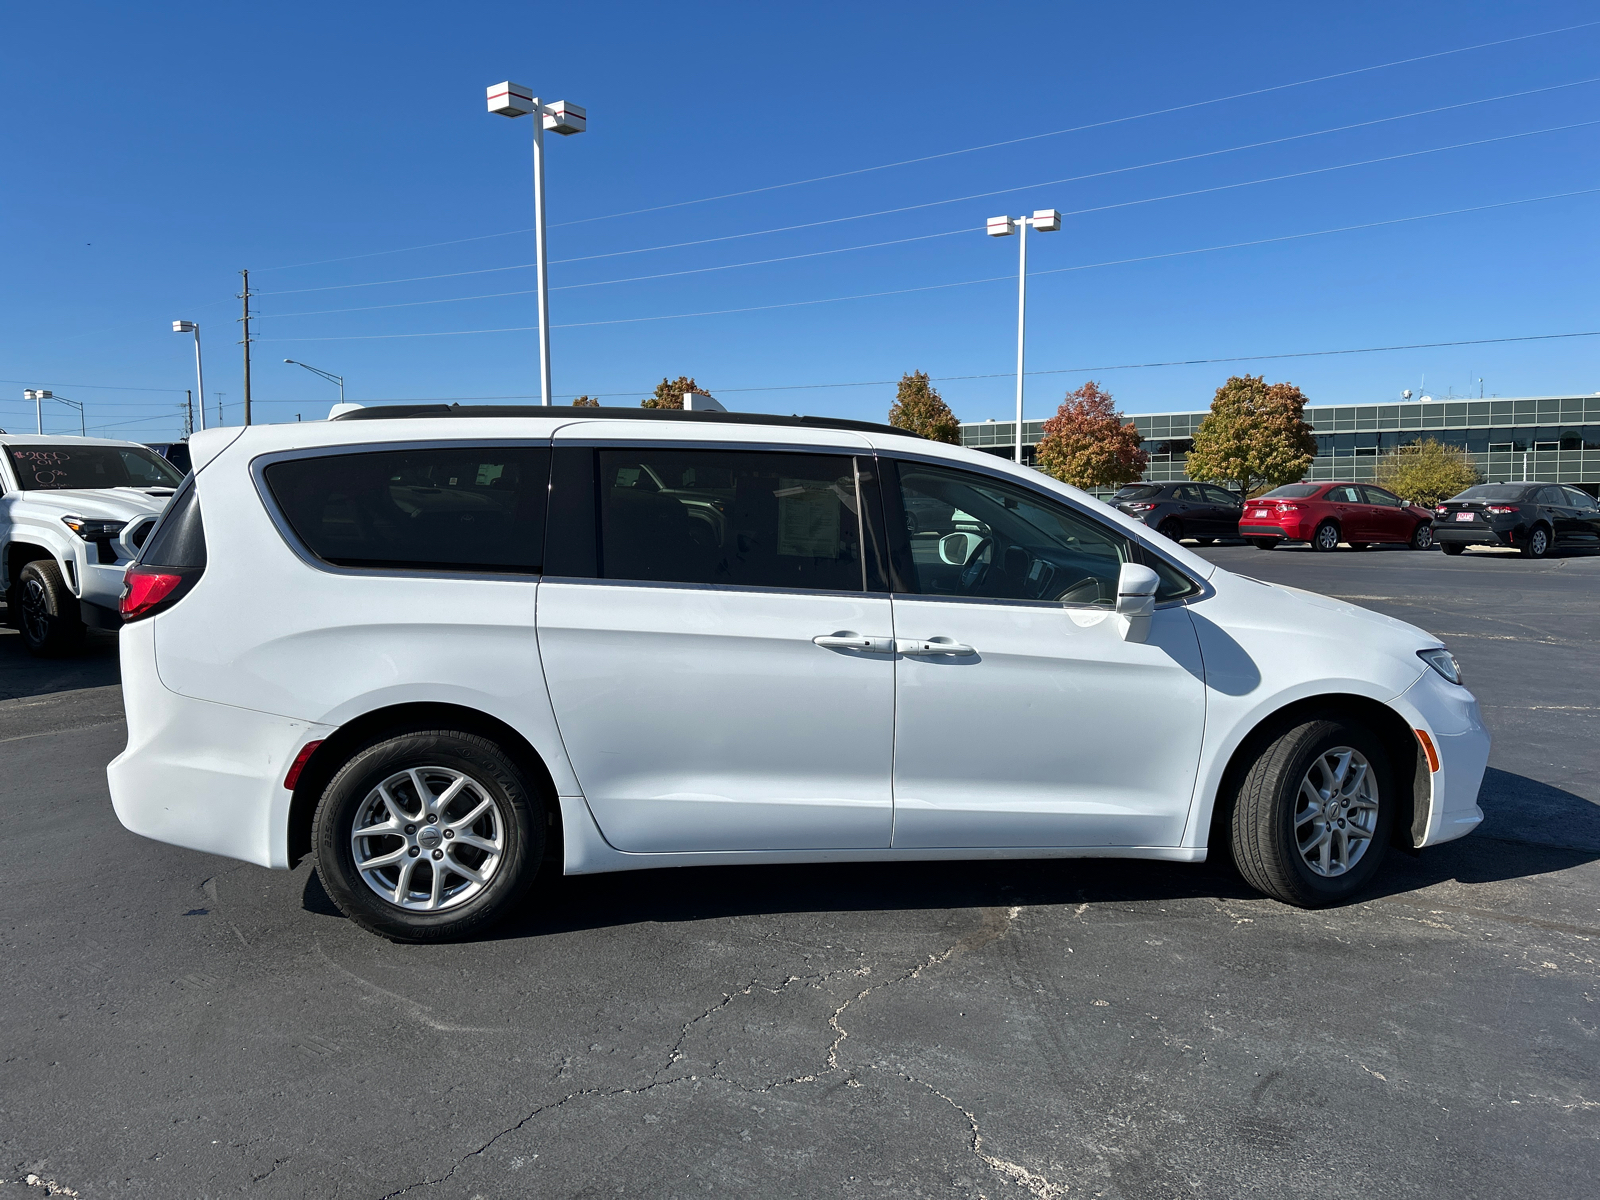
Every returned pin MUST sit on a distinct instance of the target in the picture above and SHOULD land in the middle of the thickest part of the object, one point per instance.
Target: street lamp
(1045, 220)
(328, 375)
(39, 397)
(199, 377)
(515, 100)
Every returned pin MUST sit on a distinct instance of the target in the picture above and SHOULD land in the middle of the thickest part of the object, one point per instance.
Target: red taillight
(1138, 507)
(1500, 509)
(299, 764)
(143, 588)
(1288, 508)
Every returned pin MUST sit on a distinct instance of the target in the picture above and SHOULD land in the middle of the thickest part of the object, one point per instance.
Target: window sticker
(808, 519)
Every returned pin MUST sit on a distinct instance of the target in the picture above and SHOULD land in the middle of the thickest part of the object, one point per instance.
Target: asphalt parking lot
(180, 1025)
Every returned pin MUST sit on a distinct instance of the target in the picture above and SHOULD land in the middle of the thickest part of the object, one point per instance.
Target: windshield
(46, 468)
(1295, 491)
(1493, 491)
(1137, 492)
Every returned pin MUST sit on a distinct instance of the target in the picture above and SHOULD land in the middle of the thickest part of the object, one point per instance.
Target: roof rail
(411, 412)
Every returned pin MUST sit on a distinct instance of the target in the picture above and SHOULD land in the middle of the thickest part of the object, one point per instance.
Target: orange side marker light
(1427, 748)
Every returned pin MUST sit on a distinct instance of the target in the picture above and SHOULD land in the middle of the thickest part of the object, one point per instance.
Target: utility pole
(245, 296)
(188, 412)
(219, 396)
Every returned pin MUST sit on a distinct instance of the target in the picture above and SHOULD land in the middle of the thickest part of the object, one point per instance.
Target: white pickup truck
(73, 513)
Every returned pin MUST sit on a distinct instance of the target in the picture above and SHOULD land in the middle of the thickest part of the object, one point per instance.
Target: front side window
(449, 509)
(1220, 496)
(740, 517)
(48, 468)
(1379, 496)
(981, 538)
(1581, 501)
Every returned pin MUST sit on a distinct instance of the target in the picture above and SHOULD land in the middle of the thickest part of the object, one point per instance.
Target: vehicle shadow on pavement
(21, 674)
(1530, 829)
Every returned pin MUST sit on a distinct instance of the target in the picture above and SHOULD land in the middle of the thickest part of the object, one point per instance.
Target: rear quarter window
(472, 508)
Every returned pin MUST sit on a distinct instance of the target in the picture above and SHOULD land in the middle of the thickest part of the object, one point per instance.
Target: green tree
(586, 402)
(1255, 436)
(1426, 471)
(1087, 444)
(919, 409)
(669, 393)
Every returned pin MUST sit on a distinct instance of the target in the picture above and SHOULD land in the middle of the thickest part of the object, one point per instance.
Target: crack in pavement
(996, 923)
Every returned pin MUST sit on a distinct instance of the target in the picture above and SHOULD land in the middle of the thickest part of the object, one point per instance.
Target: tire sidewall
(1531, 548)
(1319, 889)
(63, 625)
(523, 817)
(1317, 538)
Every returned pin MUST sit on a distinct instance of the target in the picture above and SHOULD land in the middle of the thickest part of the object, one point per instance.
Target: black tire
(1452, 548)
(48, 615)
(1171, 528)
(1359, 545)
(1422, 537)
(1537, 543)
(1326, 537)
(492, 774)
(1265, 845)
(1264, 543)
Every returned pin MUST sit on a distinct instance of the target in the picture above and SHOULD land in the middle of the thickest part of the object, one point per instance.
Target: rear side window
(179, 539)
(457, 508)
(742, 517)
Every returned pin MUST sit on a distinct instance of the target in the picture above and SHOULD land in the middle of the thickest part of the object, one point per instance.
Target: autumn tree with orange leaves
(1086, 444)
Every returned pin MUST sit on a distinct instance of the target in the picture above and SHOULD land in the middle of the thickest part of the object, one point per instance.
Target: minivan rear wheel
(428, 835)
(1311, 817)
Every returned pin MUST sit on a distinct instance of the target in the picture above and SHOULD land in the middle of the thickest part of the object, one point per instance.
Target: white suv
(73, 514)
(443, 649)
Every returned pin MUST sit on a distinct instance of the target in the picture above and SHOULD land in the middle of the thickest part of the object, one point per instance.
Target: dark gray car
(1202, 511)
(1534, 518)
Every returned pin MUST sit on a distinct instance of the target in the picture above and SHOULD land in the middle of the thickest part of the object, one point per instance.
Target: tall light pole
(328, 375)
(199, 376)
(1045, 220)
(514, 100)
(39, 397)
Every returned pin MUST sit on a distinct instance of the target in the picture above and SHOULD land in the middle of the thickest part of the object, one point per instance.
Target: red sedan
(1326, 514)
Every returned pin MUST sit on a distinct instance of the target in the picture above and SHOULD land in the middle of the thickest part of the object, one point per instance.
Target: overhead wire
(974, 196)
(944, 286)
(966, 150)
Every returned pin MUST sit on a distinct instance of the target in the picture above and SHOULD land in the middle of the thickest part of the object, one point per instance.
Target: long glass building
(1553, 439)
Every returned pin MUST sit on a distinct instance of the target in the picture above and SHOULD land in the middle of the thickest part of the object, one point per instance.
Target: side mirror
(1136, 600)
(955, 548)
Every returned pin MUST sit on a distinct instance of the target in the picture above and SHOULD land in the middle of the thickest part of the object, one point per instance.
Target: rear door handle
(846, 640)
(928, 649)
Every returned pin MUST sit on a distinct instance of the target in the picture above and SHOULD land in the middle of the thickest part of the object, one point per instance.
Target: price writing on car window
(43, 464)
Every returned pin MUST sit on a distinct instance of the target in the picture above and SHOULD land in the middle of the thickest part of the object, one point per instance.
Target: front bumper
(198, 774)
(1449, 714)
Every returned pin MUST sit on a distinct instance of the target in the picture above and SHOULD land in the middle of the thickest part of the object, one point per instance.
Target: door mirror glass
(956, 548)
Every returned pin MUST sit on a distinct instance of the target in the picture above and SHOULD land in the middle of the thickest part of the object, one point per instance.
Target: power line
(966, 150)
(731, 237)
(1221, 187)
(961, 283)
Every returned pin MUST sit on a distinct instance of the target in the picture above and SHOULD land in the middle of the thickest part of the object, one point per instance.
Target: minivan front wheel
(428, 835)
(1311, 818)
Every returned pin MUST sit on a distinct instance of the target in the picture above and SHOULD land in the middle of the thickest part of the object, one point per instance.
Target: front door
(718, 647)
(1391, 522)
(1022, 716)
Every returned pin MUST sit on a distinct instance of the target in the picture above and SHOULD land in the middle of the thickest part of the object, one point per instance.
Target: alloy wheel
(35, 610)
(1327, 538)
(1423, 538)
(1538, 543)
(428, 839)
(1336, 812)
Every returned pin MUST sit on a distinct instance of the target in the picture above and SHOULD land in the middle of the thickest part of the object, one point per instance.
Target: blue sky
(153, 151)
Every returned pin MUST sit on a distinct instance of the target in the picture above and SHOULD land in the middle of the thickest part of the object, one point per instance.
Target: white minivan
(442, 649)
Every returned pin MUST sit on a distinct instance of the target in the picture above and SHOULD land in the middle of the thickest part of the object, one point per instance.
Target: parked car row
(1534, 518)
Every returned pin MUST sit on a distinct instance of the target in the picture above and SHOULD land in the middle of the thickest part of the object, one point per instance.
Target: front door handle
(845, 640)
(935, 646)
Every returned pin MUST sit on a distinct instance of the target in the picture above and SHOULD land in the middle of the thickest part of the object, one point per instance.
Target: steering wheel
(976, 570)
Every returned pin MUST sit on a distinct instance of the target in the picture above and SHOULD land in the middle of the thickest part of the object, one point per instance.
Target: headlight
(1442, 661)
(93, 531)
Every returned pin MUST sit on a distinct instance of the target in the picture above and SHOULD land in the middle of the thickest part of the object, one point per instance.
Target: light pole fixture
(199, 376)
(1045, 220)
(39, 397)
(328, 375)
(514, 100)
